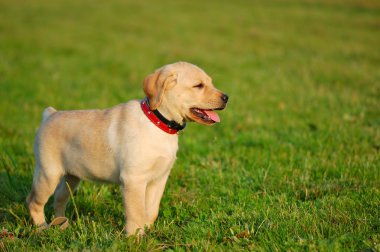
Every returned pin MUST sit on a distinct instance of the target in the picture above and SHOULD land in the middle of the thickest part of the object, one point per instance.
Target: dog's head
(183, 91)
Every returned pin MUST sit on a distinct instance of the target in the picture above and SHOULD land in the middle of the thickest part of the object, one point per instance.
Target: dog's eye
(200, 86)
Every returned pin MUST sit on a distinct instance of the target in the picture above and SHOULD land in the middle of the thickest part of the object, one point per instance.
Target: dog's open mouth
(207, 116)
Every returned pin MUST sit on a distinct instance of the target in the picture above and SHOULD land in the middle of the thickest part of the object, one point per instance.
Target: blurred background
(302, 124)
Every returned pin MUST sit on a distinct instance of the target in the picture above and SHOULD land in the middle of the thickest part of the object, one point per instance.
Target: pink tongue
(214, 116)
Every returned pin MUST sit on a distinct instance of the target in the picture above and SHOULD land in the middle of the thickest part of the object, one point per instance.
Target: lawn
(294, 163)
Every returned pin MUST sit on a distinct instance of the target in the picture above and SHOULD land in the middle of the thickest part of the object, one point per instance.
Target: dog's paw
(61, 222)
(134, 231)
(42, 227)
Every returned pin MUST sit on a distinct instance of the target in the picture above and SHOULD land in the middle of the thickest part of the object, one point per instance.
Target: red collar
(170, 127)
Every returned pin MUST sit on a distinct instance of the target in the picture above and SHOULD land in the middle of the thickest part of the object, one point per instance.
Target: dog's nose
(225, 98)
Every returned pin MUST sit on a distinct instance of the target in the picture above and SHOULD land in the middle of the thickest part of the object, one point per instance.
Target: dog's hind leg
(62, 194)
(44, 183)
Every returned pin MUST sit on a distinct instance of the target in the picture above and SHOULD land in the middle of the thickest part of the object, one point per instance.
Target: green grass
(294, 164)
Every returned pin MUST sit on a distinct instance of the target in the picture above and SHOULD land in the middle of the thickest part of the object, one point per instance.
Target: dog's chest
(148, 151)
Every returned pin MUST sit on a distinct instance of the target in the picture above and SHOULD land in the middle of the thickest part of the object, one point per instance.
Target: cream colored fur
(118, 145)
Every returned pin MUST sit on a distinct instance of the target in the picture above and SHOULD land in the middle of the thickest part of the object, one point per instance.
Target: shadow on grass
(14, 188)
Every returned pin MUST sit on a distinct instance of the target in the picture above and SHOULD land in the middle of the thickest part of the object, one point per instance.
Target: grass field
(294, 164)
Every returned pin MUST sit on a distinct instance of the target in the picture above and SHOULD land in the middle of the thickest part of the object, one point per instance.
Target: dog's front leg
(133, 191)
(154, 192)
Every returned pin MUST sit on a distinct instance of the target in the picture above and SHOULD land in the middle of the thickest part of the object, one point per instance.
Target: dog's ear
(156, 84)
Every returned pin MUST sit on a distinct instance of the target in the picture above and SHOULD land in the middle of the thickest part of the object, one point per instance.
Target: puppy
(132, 144)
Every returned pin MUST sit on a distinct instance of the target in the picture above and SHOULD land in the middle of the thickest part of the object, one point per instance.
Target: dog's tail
(47, 113)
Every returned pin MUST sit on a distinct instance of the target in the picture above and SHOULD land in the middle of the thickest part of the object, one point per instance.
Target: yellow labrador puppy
(132, 144)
